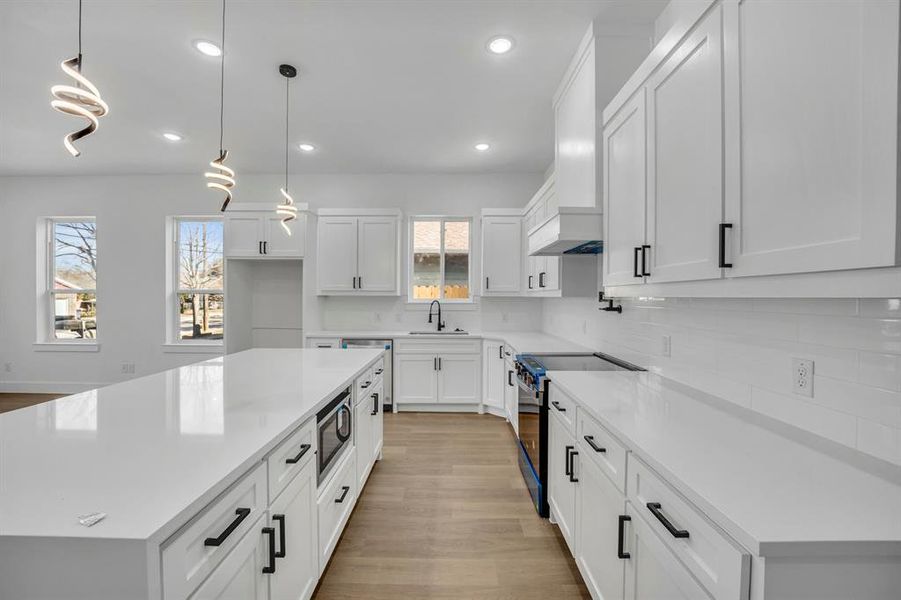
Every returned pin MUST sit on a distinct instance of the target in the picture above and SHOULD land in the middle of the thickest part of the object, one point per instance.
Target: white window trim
(172, 342)
(410, 253)
(46, 330)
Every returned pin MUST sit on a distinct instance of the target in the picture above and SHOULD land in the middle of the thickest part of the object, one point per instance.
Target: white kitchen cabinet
(363, 432)
(254, 233)
(458, 378)
(295, 513)
(243, 235)
(511, 390)
(415, 379)
(358, 254)
(502, 252)
(279, 243)
(562, 478)
(493, 374)
(685, 154)
(812, 135)
(335, 503)
(240, 576)
(378, 422)
(438, 371)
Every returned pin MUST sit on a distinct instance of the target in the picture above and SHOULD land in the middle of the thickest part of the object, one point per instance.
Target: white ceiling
(384, 85)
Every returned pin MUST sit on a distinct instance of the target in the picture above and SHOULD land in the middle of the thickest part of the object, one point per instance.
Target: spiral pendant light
(223, 178)
(286, 209)
(79, 100)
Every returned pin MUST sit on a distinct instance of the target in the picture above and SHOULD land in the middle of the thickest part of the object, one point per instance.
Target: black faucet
(441, 325)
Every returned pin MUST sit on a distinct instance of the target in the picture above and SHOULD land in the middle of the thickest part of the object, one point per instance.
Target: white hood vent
(570, 231)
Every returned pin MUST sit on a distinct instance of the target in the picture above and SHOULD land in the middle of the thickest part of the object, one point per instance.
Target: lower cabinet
(511, 396)
(368, 428)
(335, 503)
(415, 379)
(240, 575)
(562, 478)
(493, 374)
(437, 378)
(294, 519)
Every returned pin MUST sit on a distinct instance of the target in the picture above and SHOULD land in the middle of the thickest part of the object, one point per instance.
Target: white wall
(131, 211)
(742, 349)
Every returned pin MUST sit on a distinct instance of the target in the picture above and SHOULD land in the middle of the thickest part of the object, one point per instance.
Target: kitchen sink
(433, 332)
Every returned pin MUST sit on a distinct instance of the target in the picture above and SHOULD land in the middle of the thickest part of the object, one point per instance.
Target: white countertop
(152, 451)
(521, 341)
(774, 494)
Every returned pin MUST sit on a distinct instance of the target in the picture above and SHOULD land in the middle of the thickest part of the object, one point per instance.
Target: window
(440, 259)
(72, 279)
(199, 280)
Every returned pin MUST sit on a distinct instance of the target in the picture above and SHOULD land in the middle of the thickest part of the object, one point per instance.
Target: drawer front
(290, 457)
(363, 384)
(314, 342)
(563, 407)
(721, 566)
(336, 501)
(378, 369)
(438, 346)
(600, 446)
(187, 559)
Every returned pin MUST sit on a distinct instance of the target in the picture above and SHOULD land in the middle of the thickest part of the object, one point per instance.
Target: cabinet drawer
(363, 384)
(712, 557)
(335, 503)
(600, 446)
(290, 457)
(187, 559)
(563, 407)
(436, 346)
(378, 369)
(320, 342)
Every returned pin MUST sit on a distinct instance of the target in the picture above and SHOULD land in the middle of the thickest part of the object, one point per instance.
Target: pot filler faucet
(441, 325)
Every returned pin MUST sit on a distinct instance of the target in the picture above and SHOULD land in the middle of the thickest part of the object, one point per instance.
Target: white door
(501, 255)
(297, 573)
(281, 244)
(685, 158)
(378, 422)
(576, 131)
(511, 397)
(812, 135)
(536, 266)
(240, 576)
(624, 193)
(652, 571)
(243, 235)
(562, 480)
(377, 254)
(458, 378)
(549, 276)
(599, 505)
(336, 258)
(362, 425)
(415, 378)
(493, 375)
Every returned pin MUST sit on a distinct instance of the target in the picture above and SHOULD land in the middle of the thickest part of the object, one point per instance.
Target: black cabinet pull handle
(280, 519)
(644, 259)
(486, 283)
(530, 281)
(595, 447)
(622, 535)
(304, 448)
(270, 531)
(439, 363)
(635, 252)
(510, 378)
(380, 371)
(500, 352)
(375, 404)
(435, 364)
(242, 513)
(541, 279)
(572, 465)
(260, 251)
(723, 228)
(354, 282)
(556, 405)
(360, 280)
(655, 507)
(365, 385)
(567, 469)
(265, 247)
(344, 490)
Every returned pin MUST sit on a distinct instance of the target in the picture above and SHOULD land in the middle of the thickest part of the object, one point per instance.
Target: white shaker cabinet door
(501, 255)
(458, 378)
(685, 158)
(337, 254)
(625, 189)
(599, 505)
(297, 573)
(280, 243)
(362, 425)
(243, 235)
(378, 258)
(812, 135)
(562, 479)
(493, 375)
(240, 576)
(415, 378)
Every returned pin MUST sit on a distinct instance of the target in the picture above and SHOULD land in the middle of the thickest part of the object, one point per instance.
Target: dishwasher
(387, 376)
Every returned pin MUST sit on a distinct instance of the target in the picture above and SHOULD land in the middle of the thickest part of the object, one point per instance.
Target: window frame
(50, 289)
(174, 288)
(442, 219)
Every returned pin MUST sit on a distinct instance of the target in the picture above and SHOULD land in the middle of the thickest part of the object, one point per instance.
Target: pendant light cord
(287, 104)
(221, 84)
(79, 36)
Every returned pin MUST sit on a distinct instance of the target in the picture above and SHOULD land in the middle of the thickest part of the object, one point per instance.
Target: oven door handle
(342, 430)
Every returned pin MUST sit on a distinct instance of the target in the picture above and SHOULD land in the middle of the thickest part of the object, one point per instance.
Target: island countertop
(152, 451)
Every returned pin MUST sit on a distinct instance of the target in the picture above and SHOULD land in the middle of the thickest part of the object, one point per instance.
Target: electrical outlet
(128, 368)
(8, 367)
(802, 376)
(666, 346)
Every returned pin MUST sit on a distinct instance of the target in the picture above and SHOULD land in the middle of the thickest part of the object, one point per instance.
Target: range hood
(572, 230)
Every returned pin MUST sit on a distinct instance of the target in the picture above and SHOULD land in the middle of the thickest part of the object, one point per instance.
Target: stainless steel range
(531, 375)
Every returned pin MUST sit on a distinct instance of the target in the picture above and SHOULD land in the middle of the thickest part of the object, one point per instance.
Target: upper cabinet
(502, 253)
(358, 253)
(254, 233)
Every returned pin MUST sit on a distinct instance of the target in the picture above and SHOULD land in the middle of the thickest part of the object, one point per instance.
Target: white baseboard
(497, 412)
(48, 387)
(439, 408)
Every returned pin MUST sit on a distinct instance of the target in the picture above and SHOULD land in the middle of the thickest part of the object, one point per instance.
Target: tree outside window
(200, 285)
(73, 274)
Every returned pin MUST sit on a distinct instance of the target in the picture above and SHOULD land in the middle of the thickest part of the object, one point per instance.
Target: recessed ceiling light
(208, 48)
(500, 44)
(307, 147)
(172, 137)
(482, 147)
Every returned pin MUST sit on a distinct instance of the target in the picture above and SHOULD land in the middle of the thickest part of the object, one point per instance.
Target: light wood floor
(446, 515)
(13, 401)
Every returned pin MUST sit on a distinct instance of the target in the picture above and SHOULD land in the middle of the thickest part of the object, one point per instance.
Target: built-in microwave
(334, 425)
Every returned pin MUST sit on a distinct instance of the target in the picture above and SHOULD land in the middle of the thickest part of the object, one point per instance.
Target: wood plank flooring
(13, 401)
(446, 514)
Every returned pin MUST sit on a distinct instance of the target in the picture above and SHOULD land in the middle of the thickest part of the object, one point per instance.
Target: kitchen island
(171, 461)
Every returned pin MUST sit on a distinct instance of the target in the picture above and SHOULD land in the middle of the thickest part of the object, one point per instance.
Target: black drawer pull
(595, 447)
(375, 405)
(365, 385)
(622, 535)
(271, 533)
(567, 468)
(655, 507)
(380, 371)
(556, 405)
(304, 448)
(635, 252)
(510, 378)
(723, 228)
(500, 352)
(280, 519)
(242, 513)
(530, 281)
(344, 490)
(572, 465)
(644, 259)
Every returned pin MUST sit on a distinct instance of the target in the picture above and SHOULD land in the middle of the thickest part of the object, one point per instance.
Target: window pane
(200, 316)
(456, 260)
(75, 255)
(74, 316)
(426, 259)
(200, 255)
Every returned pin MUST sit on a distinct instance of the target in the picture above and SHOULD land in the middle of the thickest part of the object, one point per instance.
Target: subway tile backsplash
(742, 349)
